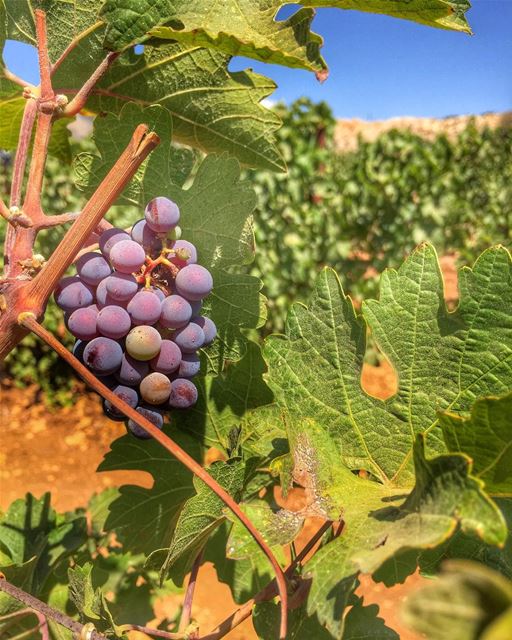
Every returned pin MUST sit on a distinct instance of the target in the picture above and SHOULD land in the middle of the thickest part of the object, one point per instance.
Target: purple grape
(162, 214)
(150, 414)
(183, 394)
(190, 338)
(113, 322)
(82, 323)
(109, 238)
(103, 298)
(169, 358)
(127, 256)
(186, 253)
(147, 238)
(132, 371)
(103, 355)
(145, 308)
(92, 268)
(189, 365)
(78, 350)
(158, 292)
(155, 388)
(208, 327)
(194, 282)
(176, 312)
(129, 395)
(71, 293)
(143, 343)
(196, 307)
(121, 286)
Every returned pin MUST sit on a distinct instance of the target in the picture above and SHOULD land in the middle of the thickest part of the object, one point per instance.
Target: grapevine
(165, 331)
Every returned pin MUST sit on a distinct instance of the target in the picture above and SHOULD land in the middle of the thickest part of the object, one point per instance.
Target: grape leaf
(144, 519)
(213, 109)
(224, 399)
(467, 602)
(443, 14)
(241, 27)
(245, 576)
(30, 529)
(443, 360)
(485, 436)
(200, 516)
(361, 623)
(251, 28)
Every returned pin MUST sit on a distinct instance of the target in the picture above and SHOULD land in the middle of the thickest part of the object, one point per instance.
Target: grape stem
(45, 610)
(29, 321)
(186, 614)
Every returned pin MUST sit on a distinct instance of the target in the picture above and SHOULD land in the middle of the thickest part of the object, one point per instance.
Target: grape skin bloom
(176, 312)
(183, 394)
(162, 214)
(155, 388)
(113, 322)
(103, 355)
(145, 308)
(127, 256)
(150, 414)
(194, 282)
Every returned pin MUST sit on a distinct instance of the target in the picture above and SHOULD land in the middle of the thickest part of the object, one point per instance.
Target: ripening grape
(143, 342)
(150, 414)
(190, 338)
(127, 256)
(121, 286)
(176, 312)
(194, 282)
(208, 327)
(162, 214)
(92, 268)
(103, 355)
(186, 253)
(113, 322)
(131, 371)
(127, 394)
(158, 292)
(189, 365)
(109, 238)
(144, 308)
(169, 358)
(147, 238)
(82, 323)
(155, 388)
(71, 294)
(183, 394)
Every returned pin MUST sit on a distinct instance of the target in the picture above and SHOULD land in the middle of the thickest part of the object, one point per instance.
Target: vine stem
(267, 593)
(45, 609)
(189, 596)
(28, 320)
(158, 633)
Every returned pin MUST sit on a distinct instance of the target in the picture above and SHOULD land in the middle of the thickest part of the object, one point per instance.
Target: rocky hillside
(348, 131)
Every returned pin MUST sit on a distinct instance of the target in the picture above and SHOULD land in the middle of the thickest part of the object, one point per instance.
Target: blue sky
(381, 67)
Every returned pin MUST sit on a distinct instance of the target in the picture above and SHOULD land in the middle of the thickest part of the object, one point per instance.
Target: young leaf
(486, 437)
(244, 28)
(467, 602)
(200, 516)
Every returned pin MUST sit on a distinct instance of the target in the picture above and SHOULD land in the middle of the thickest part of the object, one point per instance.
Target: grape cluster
(135, 309)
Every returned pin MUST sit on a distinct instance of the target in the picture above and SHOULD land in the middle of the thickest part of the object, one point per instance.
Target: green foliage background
(357, 213)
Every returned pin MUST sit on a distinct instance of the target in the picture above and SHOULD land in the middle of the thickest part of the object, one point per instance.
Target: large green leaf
(213, 109)
(486, 436)
(443, 14)
(144, 519)
(467, 602)
(443, 360)
(242, 27)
